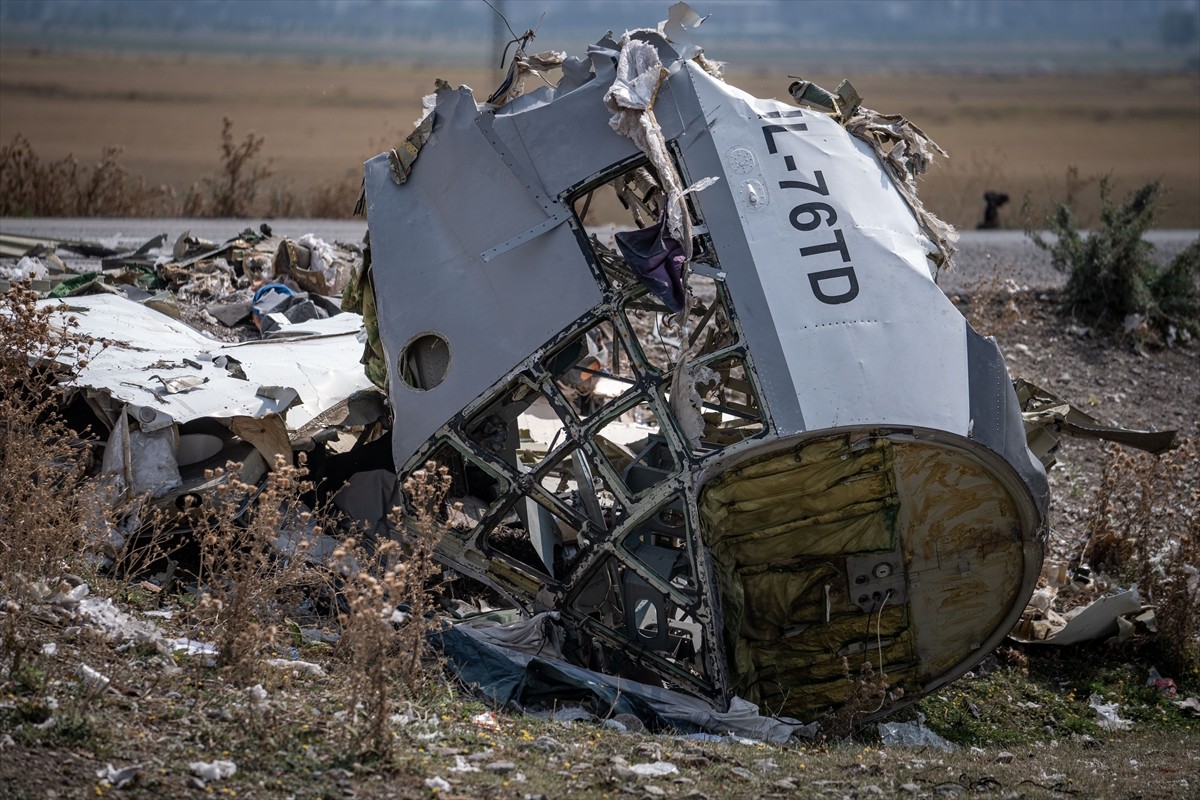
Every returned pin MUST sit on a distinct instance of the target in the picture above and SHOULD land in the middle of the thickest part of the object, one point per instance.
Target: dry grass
(233, 190)
(1011, 133)
(1145, 528)
(240, 187)
(386, 616)
(870, 693)
(991, 302)
(49, 508)
(250, 583)
(334, 198)
(31, 187)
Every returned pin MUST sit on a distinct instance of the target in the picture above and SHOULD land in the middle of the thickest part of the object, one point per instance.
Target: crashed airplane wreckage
(743, 443)
(735, 447)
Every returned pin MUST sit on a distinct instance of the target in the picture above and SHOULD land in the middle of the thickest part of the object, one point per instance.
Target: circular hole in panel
(425, 361)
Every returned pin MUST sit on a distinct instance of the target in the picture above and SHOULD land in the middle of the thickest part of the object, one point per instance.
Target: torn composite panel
(624, 466)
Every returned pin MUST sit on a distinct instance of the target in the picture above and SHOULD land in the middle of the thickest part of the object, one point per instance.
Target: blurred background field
(1042, 108)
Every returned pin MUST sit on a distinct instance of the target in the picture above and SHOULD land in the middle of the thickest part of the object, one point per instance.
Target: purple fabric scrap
(657, 260)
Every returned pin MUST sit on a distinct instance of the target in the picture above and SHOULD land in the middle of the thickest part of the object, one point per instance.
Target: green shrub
(1111, 276)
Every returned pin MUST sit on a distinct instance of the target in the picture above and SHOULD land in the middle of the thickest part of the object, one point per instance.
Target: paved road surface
(980, 252)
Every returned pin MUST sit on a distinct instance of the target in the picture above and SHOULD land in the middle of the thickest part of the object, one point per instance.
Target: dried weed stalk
(143, 540)
(1144, 527)
(335, 198)
(253, 569)
(870, 693)
(387, 599)
(32, 187)
(991, 301)
(48, 504)
(232, 191)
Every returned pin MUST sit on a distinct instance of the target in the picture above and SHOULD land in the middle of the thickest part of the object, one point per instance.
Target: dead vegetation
(241, 186)
(247, 585)
(1144, 529)
(871, 693)
(385, 616)
(49, 508)
(991, 302)
(33, 187)
(233, 190)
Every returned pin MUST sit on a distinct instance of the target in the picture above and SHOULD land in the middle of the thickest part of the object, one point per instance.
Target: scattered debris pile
(250, 284)
(1068, 609)
(214, 353)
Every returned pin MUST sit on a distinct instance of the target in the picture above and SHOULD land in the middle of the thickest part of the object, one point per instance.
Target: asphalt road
(981, 253)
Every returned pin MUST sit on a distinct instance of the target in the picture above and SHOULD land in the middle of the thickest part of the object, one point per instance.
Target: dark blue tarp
(518, 680)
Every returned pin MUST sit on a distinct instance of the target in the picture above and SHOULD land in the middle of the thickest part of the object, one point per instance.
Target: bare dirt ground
(1016, 134)
(1006, 291)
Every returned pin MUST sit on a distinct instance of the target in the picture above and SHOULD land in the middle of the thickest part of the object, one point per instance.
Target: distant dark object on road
(991, 214)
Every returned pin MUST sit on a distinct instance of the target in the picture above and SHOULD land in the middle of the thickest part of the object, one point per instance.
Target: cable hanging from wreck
(502, 91)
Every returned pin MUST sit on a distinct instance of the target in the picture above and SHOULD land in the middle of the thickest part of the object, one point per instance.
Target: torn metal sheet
(813, 462)
(14, 246)
(1107, 616)
(1046, 416)
(1068, 609)
(139, 339)
(176, 401)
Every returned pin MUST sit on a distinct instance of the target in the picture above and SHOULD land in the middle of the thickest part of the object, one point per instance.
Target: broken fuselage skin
(817, 464)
